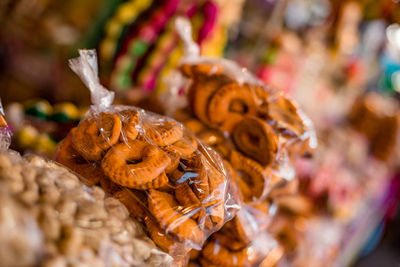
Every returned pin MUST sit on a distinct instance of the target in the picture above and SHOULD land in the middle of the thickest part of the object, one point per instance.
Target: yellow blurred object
(26, 136)
(69, 109)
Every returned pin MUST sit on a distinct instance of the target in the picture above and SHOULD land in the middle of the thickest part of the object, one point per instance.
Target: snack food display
(168, 179)
(50, 218)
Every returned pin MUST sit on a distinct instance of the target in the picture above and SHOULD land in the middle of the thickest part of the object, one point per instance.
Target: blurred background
(340, 60)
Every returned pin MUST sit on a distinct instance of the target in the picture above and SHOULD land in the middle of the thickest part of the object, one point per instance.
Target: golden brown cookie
(256, 139)
(164, 208)
(135, 164)
(95, 135)
(89, 172)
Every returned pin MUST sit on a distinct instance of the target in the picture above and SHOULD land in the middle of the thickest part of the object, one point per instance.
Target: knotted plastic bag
(166, 177)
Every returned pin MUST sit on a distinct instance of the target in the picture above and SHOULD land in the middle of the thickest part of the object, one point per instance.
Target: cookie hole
(246, 178)
(133, 161)
(252, 139)
(238, 106)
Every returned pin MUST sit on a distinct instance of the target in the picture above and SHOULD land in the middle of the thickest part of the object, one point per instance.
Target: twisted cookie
(90, 173)
(256, 139)
(93, 136)
(136, 164)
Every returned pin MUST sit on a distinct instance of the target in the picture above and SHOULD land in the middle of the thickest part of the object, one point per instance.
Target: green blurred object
(38, 108)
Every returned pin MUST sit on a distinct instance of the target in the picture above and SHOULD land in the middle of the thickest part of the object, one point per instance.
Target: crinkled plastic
(49, 218)
(168, 179)
(5, 131)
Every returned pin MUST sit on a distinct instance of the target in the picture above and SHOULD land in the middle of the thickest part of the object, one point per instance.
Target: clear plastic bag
(166, 177)
(5, 131)
(49, 218)
(258, 130)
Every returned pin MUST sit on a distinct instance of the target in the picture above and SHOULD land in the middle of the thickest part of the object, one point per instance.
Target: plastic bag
(167, 178)
(49, 218)
(5, 131)
(258, 130)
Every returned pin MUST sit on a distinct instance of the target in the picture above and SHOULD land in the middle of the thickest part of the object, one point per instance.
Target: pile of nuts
(55, 220)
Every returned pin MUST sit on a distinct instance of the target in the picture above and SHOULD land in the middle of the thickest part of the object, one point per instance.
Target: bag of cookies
(167, 178)
(257, 129)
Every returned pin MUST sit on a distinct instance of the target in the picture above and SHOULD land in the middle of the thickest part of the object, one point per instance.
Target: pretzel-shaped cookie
(256, 139)
(153, 161)
(93, 136)
(68, 156)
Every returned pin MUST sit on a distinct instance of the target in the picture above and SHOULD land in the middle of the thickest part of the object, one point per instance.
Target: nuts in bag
(168, 179)
(48, 217)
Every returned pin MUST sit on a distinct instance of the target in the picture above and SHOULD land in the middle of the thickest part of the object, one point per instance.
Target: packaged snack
(49, 218)
(168, 179)
(258, 130)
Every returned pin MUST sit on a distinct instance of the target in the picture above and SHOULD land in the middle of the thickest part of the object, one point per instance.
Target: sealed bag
(258, 130)
(168, 179)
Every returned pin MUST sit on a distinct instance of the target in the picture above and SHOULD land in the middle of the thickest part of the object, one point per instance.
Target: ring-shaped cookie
(164, 133)
(95, 135)
(256, 139)
(252, 173)
(184, 147)
(158, 235)
(164, 208)
(121, 166)
(66, 155)
(219, 108)
(203, 90)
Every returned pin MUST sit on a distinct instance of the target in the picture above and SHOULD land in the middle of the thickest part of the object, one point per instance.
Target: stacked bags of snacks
(257, 131)
(168, 179)
(49, 218)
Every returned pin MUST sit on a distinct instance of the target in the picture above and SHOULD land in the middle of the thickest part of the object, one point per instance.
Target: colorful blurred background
(339, 59)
